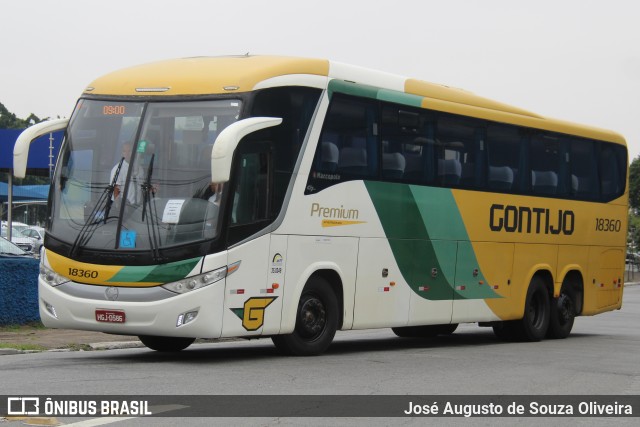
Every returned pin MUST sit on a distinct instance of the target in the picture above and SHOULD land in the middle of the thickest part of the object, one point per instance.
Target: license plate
(110, 316)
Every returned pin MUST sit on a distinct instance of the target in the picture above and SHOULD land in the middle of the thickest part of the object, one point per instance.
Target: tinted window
(504, 145)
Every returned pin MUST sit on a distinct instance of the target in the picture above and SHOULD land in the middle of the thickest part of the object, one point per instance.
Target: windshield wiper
(152, 219)
(97, 214)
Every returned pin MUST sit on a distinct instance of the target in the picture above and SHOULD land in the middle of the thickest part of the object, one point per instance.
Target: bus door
(252, 301)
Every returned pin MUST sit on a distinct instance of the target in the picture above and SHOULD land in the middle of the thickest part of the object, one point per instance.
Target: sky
(576, 60)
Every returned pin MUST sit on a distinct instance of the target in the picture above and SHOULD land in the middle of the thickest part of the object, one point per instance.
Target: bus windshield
(136, 175)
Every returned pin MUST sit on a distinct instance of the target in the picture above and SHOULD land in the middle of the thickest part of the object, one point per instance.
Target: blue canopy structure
(24, 193)
(43, 152)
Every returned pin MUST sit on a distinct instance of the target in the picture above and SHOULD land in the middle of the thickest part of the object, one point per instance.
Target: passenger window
(458, 143)
(613, 163)
(584, 170)
(348, 146)
(504, 145)
(404, 155)
(545, 163)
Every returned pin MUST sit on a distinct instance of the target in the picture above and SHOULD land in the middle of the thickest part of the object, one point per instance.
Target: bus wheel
(534, 324)
(505, 330)
(316, 321)
(168, 344)
(425, 331)
(563, 313)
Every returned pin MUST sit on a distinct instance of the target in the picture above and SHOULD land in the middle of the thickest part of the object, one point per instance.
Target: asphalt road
(601, 357)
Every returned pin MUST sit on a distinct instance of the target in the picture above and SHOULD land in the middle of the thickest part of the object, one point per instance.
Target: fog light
(51, 309)
(184, 318)
(188, 317)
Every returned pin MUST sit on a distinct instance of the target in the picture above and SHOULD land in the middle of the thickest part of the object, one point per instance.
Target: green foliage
(634, 184)
(8, 120)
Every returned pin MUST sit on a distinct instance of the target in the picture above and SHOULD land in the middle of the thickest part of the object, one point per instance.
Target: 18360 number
(608, 225)
(79, 272)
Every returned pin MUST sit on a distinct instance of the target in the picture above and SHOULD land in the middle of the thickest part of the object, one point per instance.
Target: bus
(288, 198)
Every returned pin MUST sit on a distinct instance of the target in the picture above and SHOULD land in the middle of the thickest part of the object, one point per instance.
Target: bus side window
(348, 145)
(584, 169)
(503, 157)
(613, 161)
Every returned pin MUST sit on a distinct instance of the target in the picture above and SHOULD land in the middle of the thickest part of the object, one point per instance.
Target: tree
(8, 120)
(634, 184)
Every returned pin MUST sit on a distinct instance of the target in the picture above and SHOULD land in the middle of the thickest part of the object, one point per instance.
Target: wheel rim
(312, 318)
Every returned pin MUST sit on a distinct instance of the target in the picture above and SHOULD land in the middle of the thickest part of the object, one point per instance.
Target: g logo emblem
(252, 314)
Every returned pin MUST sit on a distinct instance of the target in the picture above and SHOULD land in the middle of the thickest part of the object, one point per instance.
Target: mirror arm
(30, 134)
(228, 140)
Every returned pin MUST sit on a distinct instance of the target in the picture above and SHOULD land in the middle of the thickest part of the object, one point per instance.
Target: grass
(18, 328)
(23, 347)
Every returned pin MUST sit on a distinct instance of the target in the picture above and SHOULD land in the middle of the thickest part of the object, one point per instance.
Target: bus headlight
(50, 277)
(196, 282)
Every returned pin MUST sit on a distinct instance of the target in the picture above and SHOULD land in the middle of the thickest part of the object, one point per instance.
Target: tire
(428, 331)
(535, 323)
(316, 321)
(563, 314)
(166, 344)
(505, 331)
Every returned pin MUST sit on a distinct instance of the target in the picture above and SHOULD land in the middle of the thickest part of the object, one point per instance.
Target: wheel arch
(329, 272)
(547, 277)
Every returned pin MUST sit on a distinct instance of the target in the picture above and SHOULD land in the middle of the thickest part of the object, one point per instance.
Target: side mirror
(228, 140)
(21, 149)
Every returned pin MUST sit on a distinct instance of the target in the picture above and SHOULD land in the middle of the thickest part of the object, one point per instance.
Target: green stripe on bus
(163, 273)
(409, 240)
(400, 98)
(410, 215)
(372, 92)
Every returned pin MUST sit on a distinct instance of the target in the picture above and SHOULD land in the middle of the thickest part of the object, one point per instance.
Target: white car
(25, 243)
(36, 233)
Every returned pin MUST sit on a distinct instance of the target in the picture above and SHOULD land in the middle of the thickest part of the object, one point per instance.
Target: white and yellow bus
(288, 198)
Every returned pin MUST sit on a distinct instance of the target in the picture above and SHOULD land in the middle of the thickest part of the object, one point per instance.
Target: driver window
(251, 195)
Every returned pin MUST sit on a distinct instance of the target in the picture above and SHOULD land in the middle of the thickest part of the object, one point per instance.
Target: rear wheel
(563, 314)
(425, 331)
(534, 324)
(316, 321)
(166, 344)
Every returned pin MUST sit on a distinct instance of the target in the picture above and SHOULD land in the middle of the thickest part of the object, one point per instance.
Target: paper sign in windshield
(171, 214)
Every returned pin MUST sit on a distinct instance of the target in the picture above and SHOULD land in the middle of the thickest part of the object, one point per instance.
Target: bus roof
(232, 74)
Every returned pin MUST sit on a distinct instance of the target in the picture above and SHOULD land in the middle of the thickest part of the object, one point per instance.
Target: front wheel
(166, 344)
(316, 321)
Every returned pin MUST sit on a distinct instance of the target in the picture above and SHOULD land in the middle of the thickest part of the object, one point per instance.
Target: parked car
(25, 243)
(9, 250)
(36, 233)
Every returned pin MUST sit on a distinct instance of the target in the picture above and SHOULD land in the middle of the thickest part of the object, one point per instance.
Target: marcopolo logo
(522, 219)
